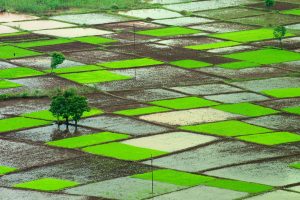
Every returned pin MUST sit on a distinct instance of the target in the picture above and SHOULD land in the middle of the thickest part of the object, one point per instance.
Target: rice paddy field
(189, 100)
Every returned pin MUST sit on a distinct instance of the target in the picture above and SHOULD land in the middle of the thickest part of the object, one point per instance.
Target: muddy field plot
(197, 95)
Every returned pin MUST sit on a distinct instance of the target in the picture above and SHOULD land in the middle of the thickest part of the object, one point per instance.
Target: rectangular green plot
(47, 115)
(248, 35)
(246, 109)
(283, 92)
(175, 177)
(295, 165)
(142, 111)
(184, 103)
(240, 186)
(123, 151)
(294, 110)
(239, 65)
(87, 140)
(14, 34)
(10, 52)
(139, 62)
(265, 56)
(226, 128)
(94, 77)
(16, 123)
(274, 138)
(73, 69)
(190, 64)
(94, 40)
(169, 31)
(19, 72)
(215, 45)
(292, 12)
(5, 170)
(4, 84)
(43, 43)
(47, 184)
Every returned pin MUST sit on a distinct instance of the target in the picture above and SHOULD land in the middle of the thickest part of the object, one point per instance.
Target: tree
(56, 59)
(68, 105)
(79, 105)
(269, 3)
(279, 33)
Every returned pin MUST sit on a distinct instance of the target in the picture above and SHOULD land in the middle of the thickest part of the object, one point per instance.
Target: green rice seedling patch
(14, 34)
(266, 56)
(240, 186)
(94, 40)
(19, 72)
(248, 35)
(10, 52)
(190, 64)
(226, 128)
(246, 109)
(142, 111)
(47, 115)
(87, 140)
(94, 77)
(215, 45)
(16, 123)
(294, 110)
(175, 177)
(47, 184)
(295, 165)
(274, 138)
(239, 65)
(139, 62)
(74, 69)
(5, 170)
(4, 84)
(123, 151)
(291, 12)
(185, 103)
(283, 92)
(167, 32)
(42, 43)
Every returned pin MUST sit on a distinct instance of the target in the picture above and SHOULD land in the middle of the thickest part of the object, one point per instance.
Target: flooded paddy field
(190, 100)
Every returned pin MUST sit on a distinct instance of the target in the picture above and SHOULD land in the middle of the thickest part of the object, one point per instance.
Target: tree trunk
(75, 126)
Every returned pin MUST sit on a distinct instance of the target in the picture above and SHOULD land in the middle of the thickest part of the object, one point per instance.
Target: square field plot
(183, 21)
(206, 89)
(151, 13)
(213, 45)
(139, 62)
(87, 140)
(94, 77)
(168, 32)
(122, 125)
(246, 109)
(237, 97)
(271, 138)
(239, 65)
(227, 128)
(266, 56)
(123, 151)
(73, 32)
(39, 25)
(10, 17)
(16, 123)
(202, 192)
(185, 103)
(248, 35)
(175, 177)
(283, 92)
(10, 52)
(170, 142)
(18, 72)
(6, 170)
(142, 111)
(189, 117)
(124, 188)
(42, 43)
(91, 18)
(47, 184)
(94, 40)
(190, 64)
(4, 84)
